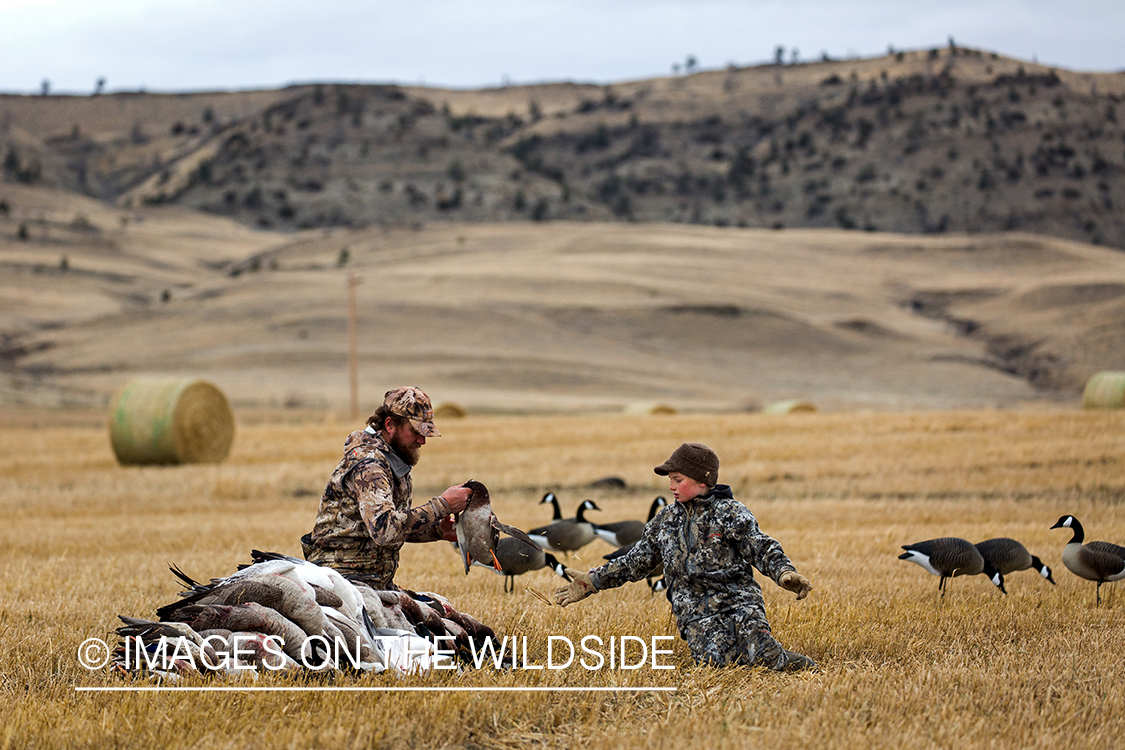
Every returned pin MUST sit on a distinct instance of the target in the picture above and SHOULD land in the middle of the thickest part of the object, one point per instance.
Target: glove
(793, 581)
(580, 587)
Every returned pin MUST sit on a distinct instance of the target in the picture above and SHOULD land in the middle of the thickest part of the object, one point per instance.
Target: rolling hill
(556, 316)
(927, 141)
(930, 229)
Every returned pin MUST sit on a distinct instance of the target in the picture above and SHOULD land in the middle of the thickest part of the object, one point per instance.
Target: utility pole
(353, 347)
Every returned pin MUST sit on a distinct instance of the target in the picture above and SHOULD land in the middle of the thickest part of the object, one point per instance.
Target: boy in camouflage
(709, 544)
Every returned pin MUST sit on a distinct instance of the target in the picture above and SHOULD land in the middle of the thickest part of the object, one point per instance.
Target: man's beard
(408, 453)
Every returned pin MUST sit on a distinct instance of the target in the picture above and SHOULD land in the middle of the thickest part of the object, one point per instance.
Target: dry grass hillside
(85, 540)
(925, 141)
(547, 317)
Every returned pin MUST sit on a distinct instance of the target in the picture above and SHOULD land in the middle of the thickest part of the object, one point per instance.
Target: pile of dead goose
(949, 557)
(284, 614)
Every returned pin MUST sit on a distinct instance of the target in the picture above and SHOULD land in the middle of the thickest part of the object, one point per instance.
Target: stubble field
(86, 540)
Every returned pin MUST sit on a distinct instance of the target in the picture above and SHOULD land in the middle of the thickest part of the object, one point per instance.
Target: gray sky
(164, 45)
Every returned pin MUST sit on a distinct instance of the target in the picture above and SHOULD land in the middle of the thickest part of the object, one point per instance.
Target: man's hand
(447, 527)
(457, 497)
(580, 587)
(793, 581)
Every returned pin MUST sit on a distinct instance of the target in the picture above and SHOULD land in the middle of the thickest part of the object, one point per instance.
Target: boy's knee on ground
(720, 641)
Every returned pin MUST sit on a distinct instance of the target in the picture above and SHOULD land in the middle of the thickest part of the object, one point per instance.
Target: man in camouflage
(365, 515)
(709, 544)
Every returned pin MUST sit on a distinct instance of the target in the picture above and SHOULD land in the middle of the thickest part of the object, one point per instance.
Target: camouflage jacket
(365, 514)
(709, 547)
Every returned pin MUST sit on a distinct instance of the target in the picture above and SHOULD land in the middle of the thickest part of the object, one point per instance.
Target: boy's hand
(793, 581)
(580, 587)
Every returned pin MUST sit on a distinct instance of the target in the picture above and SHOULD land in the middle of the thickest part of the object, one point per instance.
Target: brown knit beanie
(694, 460)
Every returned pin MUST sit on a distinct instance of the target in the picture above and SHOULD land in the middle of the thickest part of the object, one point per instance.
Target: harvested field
(87, 539)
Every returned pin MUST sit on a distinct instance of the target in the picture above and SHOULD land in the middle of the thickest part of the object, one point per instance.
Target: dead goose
(302, 572)
(478, 529)
(1008, 556)
(292, 599)
(948, 557)
(317, 575)
(409, 653)
(568, 535)
(517, 557)
(1095, 561)
(250, 617)
(622, 533)
(202, 652)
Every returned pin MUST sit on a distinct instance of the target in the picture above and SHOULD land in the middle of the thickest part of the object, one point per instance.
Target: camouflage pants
(740, 638)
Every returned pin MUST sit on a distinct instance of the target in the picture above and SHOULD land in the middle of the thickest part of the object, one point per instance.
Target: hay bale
(170, 421)
(1105, 390)
(649, 409)
(450, 410)
(789, 406)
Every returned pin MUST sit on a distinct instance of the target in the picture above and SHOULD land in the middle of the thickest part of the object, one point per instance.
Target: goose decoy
(517, 557)
(570, 534)
(1095, 561)
(556, 514)
(478, 529)
(1008, 556)
(948, 557)
(622, 533)
(661, 585)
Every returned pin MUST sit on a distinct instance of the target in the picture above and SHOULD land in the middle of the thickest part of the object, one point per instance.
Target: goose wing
(512, 531)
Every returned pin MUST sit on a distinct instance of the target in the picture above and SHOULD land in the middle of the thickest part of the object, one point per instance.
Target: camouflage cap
(693, 460)
(413, 404)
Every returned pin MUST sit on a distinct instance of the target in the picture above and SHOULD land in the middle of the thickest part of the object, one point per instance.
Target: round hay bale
(789, 406)
(170, 421)
(649, 409)
(450, 410)
(1105, 390)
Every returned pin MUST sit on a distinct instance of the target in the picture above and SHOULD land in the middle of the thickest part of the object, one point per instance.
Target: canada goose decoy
(478, 529)
(1008, 556)
(622, 533)
(661, 584)
(1095, 561)
(556, 514)
(948, 557)
(570, 534)
(517, 557)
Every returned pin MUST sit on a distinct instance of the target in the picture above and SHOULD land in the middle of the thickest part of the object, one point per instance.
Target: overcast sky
(164, 45)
